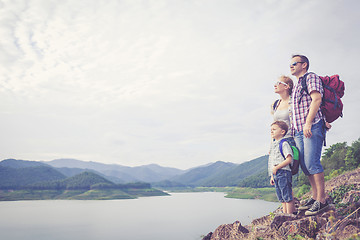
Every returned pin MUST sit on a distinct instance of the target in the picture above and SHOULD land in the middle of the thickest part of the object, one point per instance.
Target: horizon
(73, 159)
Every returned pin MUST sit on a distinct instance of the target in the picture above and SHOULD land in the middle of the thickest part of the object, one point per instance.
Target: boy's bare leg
(290, 207)
(284, 207)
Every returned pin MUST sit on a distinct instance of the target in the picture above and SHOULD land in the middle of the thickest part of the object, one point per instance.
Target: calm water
(181, 216)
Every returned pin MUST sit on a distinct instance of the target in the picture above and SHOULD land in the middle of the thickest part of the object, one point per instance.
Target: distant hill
(259, 180)
(82, 181)
(242, 171)
(69, 172)
(201, 175)
(146, 173)
(32, 185)
(218, 174)
(19, 177)
(13, 163)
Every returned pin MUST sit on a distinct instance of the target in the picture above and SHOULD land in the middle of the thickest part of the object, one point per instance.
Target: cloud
(175, 83)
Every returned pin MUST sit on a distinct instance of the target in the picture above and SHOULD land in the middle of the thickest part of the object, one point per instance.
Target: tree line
(336, 159)
(82, 181)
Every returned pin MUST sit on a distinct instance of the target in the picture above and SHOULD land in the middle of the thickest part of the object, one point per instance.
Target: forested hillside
(242, 171)
(86, 185)
(336, 159)
(200, 176)
(17, 178)
(13, 163)
(218, 174)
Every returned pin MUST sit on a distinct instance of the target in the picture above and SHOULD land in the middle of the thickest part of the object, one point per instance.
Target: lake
(181, 216)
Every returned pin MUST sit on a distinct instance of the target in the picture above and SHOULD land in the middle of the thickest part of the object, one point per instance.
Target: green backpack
(295, 166)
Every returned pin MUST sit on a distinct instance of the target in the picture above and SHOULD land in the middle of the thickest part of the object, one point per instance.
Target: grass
(28, 195)
(103, 194)
(267, 194)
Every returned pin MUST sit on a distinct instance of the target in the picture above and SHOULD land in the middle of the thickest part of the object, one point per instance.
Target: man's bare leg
(317, 183)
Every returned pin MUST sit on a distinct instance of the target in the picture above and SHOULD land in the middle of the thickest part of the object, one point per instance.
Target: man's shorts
(310, 149)
(283, 185)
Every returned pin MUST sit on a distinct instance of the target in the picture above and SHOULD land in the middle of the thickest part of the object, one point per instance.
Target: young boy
(279, 168)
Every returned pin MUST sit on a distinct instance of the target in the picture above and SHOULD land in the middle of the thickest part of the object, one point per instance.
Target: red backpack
(334, 89)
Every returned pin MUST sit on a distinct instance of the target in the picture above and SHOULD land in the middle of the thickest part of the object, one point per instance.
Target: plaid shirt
(301, 104)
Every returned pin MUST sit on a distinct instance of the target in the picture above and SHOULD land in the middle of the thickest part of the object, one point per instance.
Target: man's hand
(314, 107)
(307, 130)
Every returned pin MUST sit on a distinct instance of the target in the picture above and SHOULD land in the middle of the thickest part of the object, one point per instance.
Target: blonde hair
(288, 81)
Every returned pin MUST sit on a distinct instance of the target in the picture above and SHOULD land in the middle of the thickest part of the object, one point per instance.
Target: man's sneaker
(307, 205)
(316, 208)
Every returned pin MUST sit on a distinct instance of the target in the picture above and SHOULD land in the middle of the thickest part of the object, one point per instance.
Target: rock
(308, 226)
(280, 219)
(261, 221)
(260, 229)
(343, 229)
(351, 196)
(349, 231)
(233, 231)
(352, 177)
(208, 237)
(333, 224)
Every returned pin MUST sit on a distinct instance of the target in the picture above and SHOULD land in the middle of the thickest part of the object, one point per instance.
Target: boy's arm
(284, 163)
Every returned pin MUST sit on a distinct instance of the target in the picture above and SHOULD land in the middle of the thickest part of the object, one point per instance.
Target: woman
(281, 108)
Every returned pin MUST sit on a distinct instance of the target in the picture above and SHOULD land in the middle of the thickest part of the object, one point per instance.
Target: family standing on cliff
(299, 120)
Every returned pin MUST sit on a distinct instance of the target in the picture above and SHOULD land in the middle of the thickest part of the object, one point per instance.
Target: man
(309, 131)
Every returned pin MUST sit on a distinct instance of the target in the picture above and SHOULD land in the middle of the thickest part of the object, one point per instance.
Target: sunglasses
(294, 63)
(280, 82)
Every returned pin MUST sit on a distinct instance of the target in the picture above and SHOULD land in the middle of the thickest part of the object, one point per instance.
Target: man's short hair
(303, 59)
(282, 125)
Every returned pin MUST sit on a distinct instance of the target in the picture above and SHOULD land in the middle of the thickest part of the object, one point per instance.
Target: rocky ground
(339, 221)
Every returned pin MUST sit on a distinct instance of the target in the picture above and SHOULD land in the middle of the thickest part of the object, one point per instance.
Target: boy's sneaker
(316, 208)
(307, 205)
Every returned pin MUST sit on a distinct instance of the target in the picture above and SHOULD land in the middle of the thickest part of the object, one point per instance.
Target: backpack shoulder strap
(304, 87)
(281, 146)
(303, 84)
(276, 104)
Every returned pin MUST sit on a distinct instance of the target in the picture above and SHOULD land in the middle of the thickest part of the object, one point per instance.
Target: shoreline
(266, 194)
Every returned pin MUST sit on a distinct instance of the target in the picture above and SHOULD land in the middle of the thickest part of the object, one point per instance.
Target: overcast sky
(177, 83)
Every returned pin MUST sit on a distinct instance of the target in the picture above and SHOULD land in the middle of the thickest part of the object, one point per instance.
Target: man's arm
(314, 107)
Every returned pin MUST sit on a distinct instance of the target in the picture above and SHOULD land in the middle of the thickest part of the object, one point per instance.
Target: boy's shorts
(283, 185)
(310, 149)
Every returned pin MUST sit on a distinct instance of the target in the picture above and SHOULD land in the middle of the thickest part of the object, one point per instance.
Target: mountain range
(213, 174)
